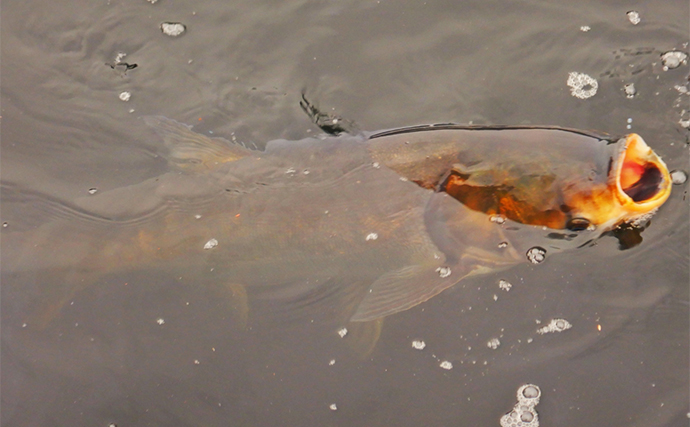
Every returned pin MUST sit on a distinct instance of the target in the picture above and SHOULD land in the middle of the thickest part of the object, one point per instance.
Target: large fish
(399, 215)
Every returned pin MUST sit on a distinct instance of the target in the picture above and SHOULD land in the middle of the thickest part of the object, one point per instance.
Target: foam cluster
(524, 413)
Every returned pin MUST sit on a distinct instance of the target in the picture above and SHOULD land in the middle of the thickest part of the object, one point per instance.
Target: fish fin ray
(363, 337)
(193, 151)
(404, 288)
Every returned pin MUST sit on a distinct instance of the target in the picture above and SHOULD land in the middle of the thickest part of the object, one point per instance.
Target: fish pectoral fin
(404, 288)
(193, 151)
(363, 336)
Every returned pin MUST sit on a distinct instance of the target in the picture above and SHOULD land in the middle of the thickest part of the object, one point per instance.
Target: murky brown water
(151, 347)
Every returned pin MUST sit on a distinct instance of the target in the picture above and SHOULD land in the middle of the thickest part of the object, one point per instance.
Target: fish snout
(642, 180)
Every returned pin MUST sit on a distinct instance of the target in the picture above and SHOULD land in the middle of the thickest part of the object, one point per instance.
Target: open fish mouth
(642, 178)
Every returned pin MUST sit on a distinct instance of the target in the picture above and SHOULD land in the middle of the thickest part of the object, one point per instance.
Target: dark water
(150, 348)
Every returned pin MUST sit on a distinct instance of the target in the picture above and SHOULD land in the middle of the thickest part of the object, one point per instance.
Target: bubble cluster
(555, 325)
(524, 413)
(342, 332)
(674, 59)
(493, 343)
(536, 255)
(581, 85)
(639, 220)
(173, 29)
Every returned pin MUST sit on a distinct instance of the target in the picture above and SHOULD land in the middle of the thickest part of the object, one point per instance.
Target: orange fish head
(638, 183)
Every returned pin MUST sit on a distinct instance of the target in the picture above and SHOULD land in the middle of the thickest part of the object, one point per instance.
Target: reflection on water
(174, 346)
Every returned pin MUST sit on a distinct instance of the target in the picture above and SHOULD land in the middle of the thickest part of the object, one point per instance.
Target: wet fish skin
(377, 213)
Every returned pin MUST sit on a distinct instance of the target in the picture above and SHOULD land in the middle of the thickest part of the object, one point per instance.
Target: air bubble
(371, 236)
(536, 255)
(93, 191)
(526, 416)
(5, 224)
(530, 391)
(630, 90)
(446, 365)
(211, 244)
(633, 17)
(443, 272)
(502, 245)
(504, 285)
(498, 219)
(678, 177)
(342, 332)
(673, 59)
(173, 29)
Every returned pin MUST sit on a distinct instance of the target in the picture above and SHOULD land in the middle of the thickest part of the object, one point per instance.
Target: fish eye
(577, 224)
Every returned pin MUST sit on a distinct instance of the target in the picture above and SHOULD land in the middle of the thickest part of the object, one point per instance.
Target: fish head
(598, 184)
(636, 184)
(500, 192)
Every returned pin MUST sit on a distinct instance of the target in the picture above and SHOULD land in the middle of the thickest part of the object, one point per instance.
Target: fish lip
(636, 149)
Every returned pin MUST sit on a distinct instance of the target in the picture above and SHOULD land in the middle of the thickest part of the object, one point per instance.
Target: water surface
(155, 348)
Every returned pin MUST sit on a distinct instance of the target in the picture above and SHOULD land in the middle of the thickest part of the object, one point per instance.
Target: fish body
(398, 215)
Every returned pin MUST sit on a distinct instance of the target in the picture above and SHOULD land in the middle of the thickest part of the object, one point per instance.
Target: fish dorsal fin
(406, 287)
(193, 151)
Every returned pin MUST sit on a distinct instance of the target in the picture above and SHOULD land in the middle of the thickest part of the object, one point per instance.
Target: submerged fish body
(398, 215)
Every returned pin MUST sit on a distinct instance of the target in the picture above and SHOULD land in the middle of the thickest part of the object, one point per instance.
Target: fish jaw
(639, 179)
